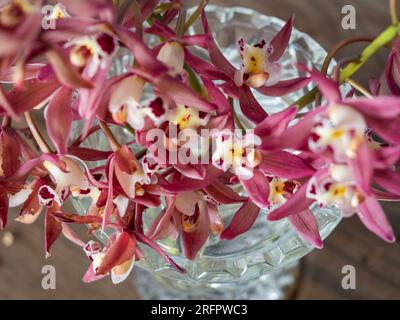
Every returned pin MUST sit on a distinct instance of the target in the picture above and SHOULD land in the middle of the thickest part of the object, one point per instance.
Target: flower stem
(192, 19)
(393, 12)
(180, 24)
(43, 145)
(360, 88)
(115, 145)
(387, 36)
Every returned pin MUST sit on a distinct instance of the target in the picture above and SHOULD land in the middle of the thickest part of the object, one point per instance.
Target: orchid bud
(173, 55)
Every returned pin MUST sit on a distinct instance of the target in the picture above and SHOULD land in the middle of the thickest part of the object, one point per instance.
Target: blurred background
(376, 263)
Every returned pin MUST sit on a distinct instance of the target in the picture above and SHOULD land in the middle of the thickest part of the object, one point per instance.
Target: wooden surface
(376, 262)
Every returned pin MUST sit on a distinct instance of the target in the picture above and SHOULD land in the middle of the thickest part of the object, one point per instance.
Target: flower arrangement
(190, 152)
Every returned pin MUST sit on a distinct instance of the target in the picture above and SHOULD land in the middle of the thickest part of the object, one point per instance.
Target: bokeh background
(377, 263)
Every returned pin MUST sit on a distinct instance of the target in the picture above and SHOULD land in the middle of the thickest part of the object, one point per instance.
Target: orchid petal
(3, 207)
(221, 193)
(373, 217)
(389, 180)
(120, 250)
(215, 53)
(284, 87)
(276, 123)
(52, 227)
(242, 221)
(257, 188)
(58, 117)
(33, 95)
(328, 87)
(285, 165)
(296, 204)
(281, 40)
(65, 72)
(250, 106)
(193, 241)
(192, 171)
(150, 243)
(306, 225)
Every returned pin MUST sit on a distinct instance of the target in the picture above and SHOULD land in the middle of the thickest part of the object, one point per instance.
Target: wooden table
(376, 262)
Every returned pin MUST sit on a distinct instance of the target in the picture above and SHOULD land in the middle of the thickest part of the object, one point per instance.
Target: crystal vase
(262, 263)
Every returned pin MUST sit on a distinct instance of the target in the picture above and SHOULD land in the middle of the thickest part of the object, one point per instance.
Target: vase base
(278, 285)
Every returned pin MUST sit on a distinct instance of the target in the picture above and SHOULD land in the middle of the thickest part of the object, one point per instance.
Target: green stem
(194, 80)
(387, 36)
(192, 19)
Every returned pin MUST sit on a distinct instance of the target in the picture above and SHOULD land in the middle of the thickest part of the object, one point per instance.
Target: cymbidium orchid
(179, 148)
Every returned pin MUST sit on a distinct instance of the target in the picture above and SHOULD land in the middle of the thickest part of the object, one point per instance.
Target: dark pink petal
(176, 90)
(373, 217)
(52, 227)
(31, 208)
(216, 56)
(5, 104)
(103, 9)
(200, 40)
(281, 40)
(306, 225)
(87, 154)
(389, 180)
(276, 123)
(374, 86)
(297, 203)
(34, 93)
(161, 30)
(156, 229)
(192, 242)
(382, 107)
(386, 129)
(193, 171)
(250, 106)
(10, 152)
(285, 165)
(284, 87)
(204, 68)
(295, 137)
(222, 193)
(361, 167)
(126, 160)
(392, 72)
(108, 210)
(58, 117)
(385, 157)
(150, 243)
(120, 250)
(3, 207)
(187, 184)
(148, 200)
(182, 94)
(145, 57)
(65, 72)
(217, 96)
(74, 218)
(242, 221)
(257, 188)
(28, 166)
(385, 196)
(328, 87)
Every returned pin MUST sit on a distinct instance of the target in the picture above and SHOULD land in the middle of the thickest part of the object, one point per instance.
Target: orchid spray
(189, 152)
